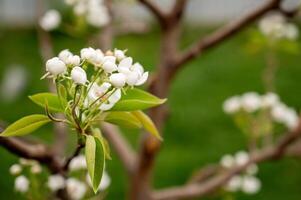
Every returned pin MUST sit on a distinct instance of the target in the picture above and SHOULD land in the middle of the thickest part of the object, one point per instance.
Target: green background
(197, 131)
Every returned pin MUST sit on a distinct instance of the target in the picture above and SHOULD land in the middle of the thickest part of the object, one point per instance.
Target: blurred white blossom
(51, 20)
(78, 163)
(21, 184)
(56, 182)
(75, 188)
(15, 169)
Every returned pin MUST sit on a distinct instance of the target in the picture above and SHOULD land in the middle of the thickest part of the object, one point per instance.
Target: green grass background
(197, 132)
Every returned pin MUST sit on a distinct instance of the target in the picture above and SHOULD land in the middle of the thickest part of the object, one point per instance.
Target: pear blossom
(15, 169)
(21, 184)
(98, 91)
(269, 100)
(118, 80)
(114, 98)
(55, 66)
(78, 163)
(64, 55)
(119, 54)
(232, 105)
(250, 185)
(234, 184)
(36, 168)
(75, 188)
(241, 158)
(227, 161)
(292, 32)
(250, 101)
(109, 67)
(88, 54)
(51, 20)
(79, 75)
(56, 182)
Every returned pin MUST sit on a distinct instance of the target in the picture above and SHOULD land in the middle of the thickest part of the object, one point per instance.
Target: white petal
(127, 62)
(143, 79)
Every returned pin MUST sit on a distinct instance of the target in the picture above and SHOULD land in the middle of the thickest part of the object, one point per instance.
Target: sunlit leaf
(95, 159)
(148, 124)
(52, 101)
(136, 99)
(124, 119)
(25, 125)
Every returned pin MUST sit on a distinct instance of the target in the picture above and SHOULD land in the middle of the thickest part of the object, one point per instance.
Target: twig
(201, 189)
(224, 33)
(158, 13)
(121, 146)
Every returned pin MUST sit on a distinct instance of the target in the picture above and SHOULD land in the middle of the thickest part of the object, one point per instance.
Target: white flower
(250, 101)
(119, 54)
(73, 60)
(287, 116)
(88, 54)
(109, 67)
(80, 8)
(75, 188)
(241, 158)
(269, 100)
(227, 161)
(97, 91)
(56, 182)
(21, 184)
(118, 80)
(51, 20)
(252, 169)
(64, 55)
(105, 181)
(110, 59)
(77, 163)
(36, 168)
(79, 75)
(15, 169)
(273, 25)
(234, 184)
(55, 66)
(292, 32)
(291, 118)
(250, 185)
(114, 98)
(232, 105)
(98, 16)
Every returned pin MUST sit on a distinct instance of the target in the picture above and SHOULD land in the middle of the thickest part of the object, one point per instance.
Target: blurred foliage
(197, 132)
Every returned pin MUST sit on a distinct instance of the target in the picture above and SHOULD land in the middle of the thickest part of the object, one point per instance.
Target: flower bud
(118, 80)
(21, 184)
(55, 66)
(15, 169)
(109, 67)
(119, 54)
(79, 75)
(73, 60)
(64, 55)
(88, 54)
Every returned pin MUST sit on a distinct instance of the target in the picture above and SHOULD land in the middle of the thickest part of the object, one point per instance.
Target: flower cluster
(275, 26)
(50, 20)
(110, 73)
(22, 183)
(246, 182)
(270, 104)
(76, 188)
(94, 11)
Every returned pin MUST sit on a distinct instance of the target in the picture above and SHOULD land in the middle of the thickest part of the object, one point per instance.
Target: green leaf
(105, 144)
(95, 159)
(25, 125)
(147, 123)
(136, 99)
(124, 119)
(51, 99)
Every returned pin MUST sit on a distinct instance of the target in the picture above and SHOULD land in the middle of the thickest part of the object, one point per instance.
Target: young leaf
(124, 119)
(25, 125)
(95, 159)
(105, 144)
(51, 99)
(136, 99)
(148, 124)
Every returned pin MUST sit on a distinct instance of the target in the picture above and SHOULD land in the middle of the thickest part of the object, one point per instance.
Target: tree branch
(121, 146)
(224, 33)
(158, 13)
(201, 189)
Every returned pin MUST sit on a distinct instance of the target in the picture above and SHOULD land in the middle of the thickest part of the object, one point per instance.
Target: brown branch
(121, 147)
(178, 9)
(224, 33)
(201, 189)
(158, 13)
